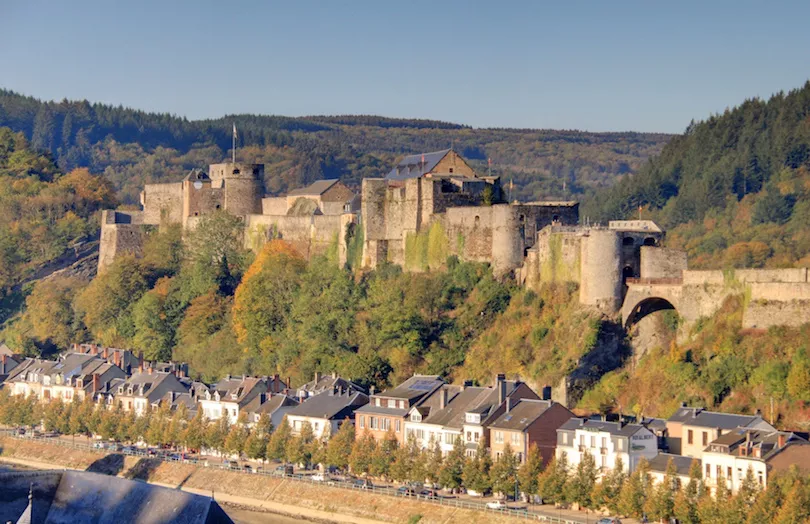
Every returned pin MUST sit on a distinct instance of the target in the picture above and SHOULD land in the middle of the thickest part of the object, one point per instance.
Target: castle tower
(243, 186)
(601, 276)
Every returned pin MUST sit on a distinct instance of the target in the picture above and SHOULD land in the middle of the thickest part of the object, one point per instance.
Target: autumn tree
(339, 447)
(554, 480)
(451, 474)
(362, 454)
(582, 482)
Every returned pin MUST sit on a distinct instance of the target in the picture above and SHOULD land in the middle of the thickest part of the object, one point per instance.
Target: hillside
(133, 147)
(732, 190)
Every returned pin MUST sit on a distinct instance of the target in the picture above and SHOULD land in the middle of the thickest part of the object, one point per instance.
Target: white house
(606, 441)
(326, 411)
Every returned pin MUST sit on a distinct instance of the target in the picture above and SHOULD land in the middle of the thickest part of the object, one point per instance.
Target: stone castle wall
(122, 232)
(660, 262)
(162, 202)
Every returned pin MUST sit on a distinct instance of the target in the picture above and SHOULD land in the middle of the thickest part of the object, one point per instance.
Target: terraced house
(606, 442)
(388, 410)
(690, 430)
(326, 412)
(524, 423)
(145, 389)
(230, 396)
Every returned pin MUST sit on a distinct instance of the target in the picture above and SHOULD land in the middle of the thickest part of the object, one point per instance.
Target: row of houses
(427, 410)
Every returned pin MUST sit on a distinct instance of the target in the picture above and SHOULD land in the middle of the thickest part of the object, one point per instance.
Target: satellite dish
(197, 185)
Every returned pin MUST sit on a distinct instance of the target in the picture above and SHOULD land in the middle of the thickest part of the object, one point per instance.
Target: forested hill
(133, 147)
(733, 189)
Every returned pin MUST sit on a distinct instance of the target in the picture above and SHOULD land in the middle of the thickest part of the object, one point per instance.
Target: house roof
(765, 442)
(613, 428)
(330, 405)
(328, 383)
(522, 415)
(270, 404)
(316, 188)
(415, 166)
(481, 400)
(712, 419)
(379, 410)
(414, 388)
(682, 464)
(238, 389)
(5, 350)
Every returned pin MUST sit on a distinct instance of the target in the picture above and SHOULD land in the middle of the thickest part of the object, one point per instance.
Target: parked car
(496, 504)
(283, 470)
(318, 477)
(247, 469)
(429, 493)
(609, 520)
(363, 484)
(406, 491)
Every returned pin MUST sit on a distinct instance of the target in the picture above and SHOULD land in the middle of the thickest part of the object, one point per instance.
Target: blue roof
(415, 166)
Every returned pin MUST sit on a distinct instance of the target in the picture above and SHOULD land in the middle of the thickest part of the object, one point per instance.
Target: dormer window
(120, 390)
(416, 417)
(473, 418)
(234, 396)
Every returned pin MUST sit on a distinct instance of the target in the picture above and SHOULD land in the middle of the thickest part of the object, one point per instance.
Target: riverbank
(278, 495)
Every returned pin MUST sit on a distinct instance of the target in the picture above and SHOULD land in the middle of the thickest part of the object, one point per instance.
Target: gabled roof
(522, 415)
(613, 428)
(270, 405)
(316, 188)
(481, 400)
(712, 419)
(682, 464)
(5, 350)
(330, 405)
(414, 388)
(415, 166)
(328, 383)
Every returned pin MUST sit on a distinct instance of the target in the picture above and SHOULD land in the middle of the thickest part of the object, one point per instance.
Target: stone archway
(646, 307)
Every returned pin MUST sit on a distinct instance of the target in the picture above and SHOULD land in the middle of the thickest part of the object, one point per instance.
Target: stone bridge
(691, 300)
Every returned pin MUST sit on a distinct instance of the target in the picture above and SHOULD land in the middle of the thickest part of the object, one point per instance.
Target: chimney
(442, 398)
(371, 390)
(140, 367)
(317, 376)
(3, 357)
(545, 393)
(289, 381)
(96, 383)
(334, 374)
(508, 404)
(105, 353)
(758, 413)
(93, 350)
(172, 395)
(140, 359)
(500, 383)
(780, 440)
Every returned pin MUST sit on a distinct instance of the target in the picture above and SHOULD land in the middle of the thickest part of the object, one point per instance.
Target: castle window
(627, 241)
(196, 214)
(236, 171)
(218, 206)
(451, 170)
(649, 241)
(555, 218)
(255, 170)
(477, 220)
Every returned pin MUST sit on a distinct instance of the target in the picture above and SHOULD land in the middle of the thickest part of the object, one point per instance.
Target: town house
(388, 410)
(607, 442)
(231, 395)
(146, 388)
(323, 383)
(690, 430)
(326, 412)
(732, 454)
(525, 423)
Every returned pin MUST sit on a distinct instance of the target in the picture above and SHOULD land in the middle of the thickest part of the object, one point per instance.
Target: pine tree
(686, 501)
(583, 481)
(216, 434)
(418, 462)
(450, 476)
(503, 474)
(401, 464)
(606, 493)
(340, 446)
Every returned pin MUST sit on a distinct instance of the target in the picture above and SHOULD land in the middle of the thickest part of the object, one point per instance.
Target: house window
(398, 425)
(728, 473)
(499, 437)
(515, 439)
(708, 471)
(761, 480)
(689, 437)
(705, 438)
(362, 422)
(392, 403)
(476, 435)
(719, 471)
(449, 438)
(385, 424)
(469, 437)
(593, 441)
(372, 422)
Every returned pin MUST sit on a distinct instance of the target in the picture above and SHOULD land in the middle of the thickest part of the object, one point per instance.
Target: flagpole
(233, 147)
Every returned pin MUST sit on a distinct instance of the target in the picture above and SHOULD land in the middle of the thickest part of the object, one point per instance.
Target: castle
(434, 205)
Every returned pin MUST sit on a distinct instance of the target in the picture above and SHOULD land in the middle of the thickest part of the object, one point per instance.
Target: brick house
(527, 422)
(690, 430)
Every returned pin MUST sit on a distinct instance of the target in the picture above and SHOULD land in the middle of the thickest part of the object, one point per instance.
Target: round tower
(243, 186)
(601, 275)
(507, 244)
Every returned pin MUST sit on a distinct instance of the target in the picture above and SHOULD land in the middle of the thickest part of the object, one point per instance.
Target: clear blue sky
(646, 66)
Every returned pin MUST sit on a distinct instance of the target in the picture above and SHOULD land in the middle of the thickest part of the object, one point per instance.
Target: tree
(452, 470)
(433, 461)
(362, 453)
(582, 482)
(216, 434)
(796, 507)
(746, 495)
(235, 441)
(529, 472)
(634, 492)
(276, 448)
(383, 456)
(717, 509)
(256, 445)
(687, 499)
(660, 505)
(476, 472)
(264, 424)
(553, 482)
(503, 474)
(339, 447)
(607, 491)
(400, 469)
(194, 435)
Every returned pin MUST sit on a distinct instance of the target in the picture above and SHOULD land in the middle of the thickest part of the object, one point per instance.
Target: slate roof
(412, 166)
(379, 410)
(764, 441)
(521, 415)
(241, 387)
(5, 350)
(414, 388)
(613, 428)
(471, 399)
(682, 464)
(270, 405)
(316, 188)
(328, 383)
(330, 405)
(712, 419)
